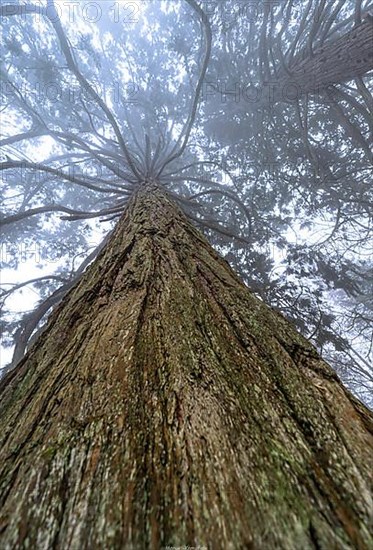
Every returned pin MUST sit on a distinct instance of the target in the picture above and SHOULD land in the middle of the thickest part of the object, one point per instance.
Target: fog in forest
(255, 116)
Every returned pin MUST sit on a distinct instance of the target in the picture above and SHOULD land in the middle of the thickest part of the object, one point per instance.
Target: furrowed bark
(165, 404)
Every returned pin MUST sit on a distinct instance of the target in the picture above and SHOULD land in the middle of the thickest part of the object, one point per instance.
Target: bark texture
(164, 404)
(348, 57)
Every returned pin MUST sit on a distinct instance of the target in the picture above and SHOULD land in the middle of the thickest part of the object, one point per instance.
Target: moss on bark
(165, 404)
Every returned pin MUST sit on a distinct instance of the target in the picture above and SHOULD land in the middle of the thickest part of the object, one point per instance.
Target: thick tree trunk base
(164, 404)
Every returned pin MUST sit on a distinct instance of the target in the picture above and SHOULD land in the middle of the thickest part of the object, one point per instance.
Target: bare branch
(215, 226)
(55, 172)
(182, 142)
(20, 137)
(52, 15)
(17, 286)
(230, 196)
(74, 214)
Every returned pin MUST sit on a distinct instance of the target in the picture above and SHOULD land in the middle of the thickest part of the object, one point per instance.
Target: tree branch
(55, 172)
(74, 214)
(52, 15)
(182, 142)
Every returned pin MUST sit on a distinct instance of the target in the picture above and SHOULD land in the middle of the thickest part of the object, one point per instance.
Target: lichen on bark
(164, 404)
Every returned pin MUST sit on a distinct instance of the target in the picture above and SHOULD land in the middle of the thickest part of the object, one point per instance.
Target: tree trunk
(348, 57)
(164, 404)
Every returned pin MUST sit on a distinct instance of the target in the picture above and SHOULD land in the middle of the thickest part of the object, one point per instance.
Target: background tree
(272, 163)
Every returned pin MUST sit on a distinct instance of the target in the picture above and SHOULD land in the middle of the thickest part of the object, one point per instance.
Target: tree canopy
(255, 116)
